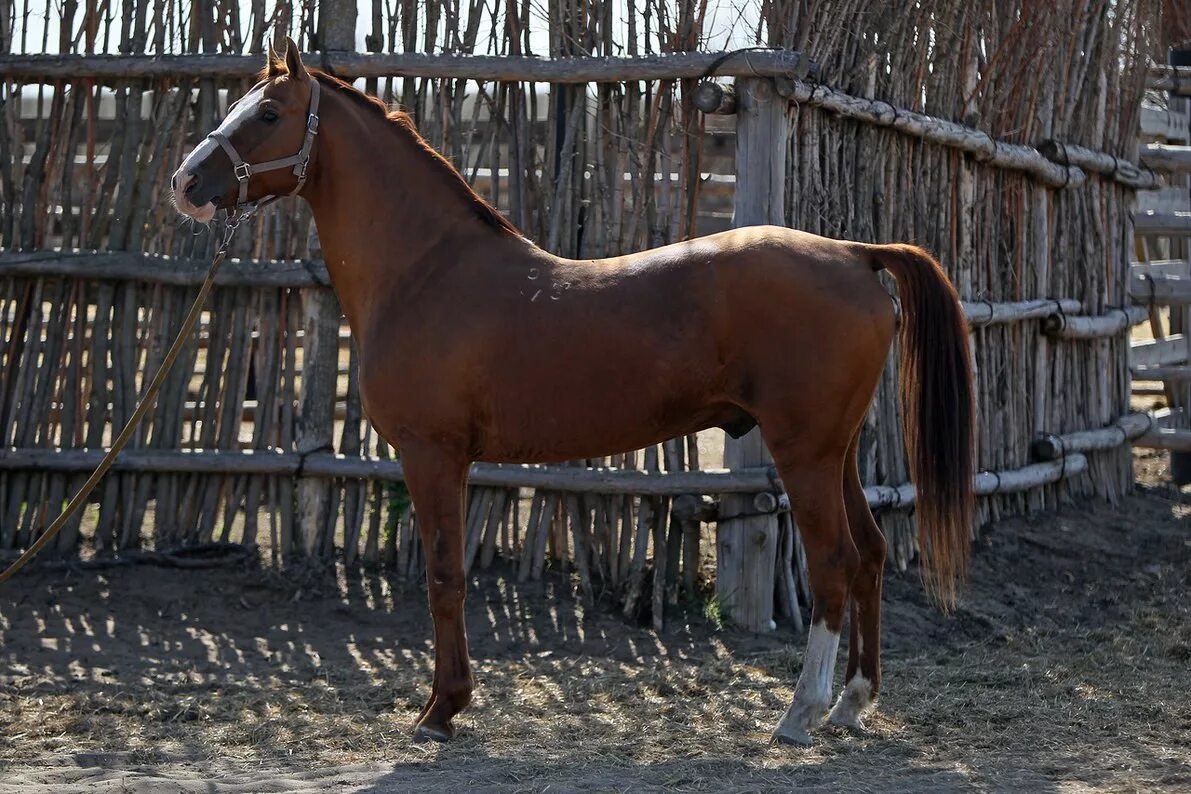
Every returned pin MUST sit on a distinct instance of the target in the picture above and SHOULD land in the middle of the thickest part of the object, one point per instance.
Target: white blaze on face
(244, 110)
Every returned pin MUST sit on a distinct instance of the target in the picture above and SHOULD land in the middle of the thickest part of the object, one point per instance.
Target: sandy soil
(1064, 669)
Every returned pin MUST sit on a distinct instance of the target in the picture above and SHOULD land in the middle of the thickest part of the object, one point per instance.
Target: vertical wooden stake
(320, 344)
(746, 547)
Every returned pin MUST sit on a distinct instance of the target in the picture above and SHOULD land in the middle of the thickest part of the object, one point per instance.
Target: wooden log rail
(156, 269)
(1060, 169)
(1174, 79)
(1151, 289)
(1166, 157)
(497, 68)
(1103, 163)
(983, 147)
(1062, 315)
(1141, 428)
(1159, 352)
(1113, 322)
(1162, 223)
(562, 479)
(282, 273)
(1048, 446)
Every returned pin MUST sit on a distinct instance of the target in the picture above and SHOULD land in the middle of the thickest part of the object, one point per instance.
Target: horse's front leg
(436, 478)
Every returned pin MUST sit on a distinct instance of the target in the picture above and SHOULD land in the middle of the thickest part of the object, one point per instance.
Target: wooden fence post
(746, 547)
(320, 345)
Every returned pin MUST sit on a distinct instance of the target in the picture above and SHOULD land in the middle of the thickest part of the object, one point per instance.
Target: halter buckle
(312, 124)
(243, 171)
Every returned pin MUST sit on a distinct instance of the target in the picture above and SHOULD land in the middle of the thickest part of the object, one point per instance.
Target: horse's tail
(937, 412)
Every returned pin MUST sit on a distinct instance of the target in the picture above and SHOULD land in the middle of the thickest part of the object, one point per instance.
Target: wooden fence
(1023, 189)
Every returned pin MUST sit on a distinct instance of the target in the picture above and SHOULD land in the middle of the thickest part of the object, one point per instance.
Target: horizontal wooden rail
(1159, 223)
(1159, 352)
(1102, 163)
(1148, 288)
(1113, 322)
(1165, 374)
(1059, 170)
(986, 483)
(983, 147)
(981, 313)
(1169, 438)
(1049, 446)
(570, 479)
(1164, 157)
(1162, 267)
(555, 478)
(495, 68)
(1175, 79)
(150, 268)
(154, 269)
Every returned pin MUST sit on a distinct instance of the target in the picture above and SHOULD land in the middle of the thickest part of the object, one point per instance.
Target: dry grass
(1065, 668)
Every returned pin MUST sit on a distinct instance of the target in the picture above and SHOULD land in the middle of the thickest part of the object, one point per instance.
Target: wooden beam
(1147, 288)
(154, 269)
(1052, 447)
(1166, 157)
(711, 97)
(747, 547)
(494, 68)
(1164, 374)
(1157, 353)
(1175, 440)
(1102, 163)
(1174, 79)
(1067, 326)
(570, 479)
(981, 313)
(983, 147)
(1162, 223)
(565, 479)
(1179, 268)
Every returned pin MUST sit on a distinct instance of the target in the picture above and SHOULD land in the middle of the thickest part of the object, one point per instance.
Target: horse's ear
(293, 60)
(273, 62)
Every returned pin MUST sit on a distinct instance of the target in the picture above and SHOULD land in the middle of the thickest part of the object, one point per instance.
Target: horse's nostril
(192, 185)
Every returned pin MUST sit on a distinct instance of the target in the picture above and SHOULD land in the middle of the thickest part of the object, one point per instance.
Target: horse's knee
(447, 591)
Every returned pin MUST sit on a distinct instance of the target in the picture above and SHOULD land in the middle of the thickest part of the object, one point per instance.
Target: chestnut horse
(475, 344)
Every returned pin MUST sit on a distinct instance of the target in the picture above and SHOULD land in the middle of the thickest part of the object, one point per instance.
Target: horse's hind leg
(863, 677)
(831, 560)
(436, 478)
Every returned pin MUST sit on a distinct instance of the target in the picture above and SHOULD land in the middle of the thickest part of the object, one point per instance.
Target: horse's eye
(269, 116)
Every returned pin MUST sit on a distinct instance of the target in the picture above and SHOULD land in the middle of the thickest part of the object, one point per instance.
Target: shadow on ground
(1064, 667)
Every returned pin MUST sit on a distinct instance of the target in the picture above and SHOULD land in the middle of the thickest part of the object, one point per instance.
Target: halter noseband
(299, 161)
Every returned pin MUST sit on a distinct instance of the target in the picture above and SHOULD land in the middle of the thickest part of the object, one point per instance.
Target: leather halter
(299, 161)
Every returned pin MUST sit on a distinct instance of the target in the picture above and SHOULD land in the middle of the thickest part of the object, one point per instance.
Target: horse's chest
(404, 389)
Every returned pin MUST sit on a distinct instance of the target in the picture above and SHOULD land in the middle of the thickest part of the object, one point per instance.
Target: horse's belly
(553, 433)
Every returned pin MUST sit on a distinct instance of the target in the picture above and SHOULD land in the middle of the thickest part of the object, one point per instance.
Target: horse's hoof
(426, 733)
(793, 737)
(848, 722)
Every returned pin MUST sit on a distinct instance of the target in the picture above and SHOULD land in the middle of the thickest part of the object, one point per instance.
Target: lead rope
(235, 218)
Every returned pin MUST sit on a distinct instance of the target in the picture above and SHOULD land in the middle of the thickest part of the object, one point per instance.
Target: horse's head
(261, 149)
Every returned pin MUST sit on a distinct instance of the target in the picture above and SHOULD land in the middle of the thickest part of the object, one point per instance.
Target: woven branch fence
(926, 126)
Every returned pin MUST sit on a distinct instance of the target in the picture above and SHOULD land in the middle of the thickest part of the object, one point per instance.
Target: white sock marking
(818, 668)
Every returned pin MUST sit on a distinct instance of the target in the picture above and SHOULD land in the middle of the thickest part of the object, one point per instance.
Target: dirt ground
(1064, 669)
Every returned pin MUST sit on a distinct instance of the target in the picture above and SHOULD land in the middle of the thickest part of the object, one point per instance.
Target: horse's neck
(384, 209)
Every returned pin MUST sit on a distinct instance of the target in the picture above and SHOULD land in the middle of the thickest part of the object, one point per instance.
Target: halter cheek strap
(299, 161)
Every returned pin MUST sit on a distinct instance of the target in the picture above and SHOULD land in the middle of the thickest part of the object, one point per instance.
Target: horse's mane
(482, 209)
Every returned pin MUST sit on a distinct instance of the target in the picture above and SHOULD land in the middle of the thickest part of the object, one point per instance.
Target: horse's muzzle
(189, 196)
